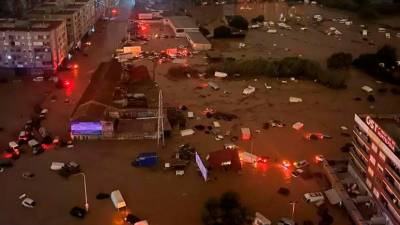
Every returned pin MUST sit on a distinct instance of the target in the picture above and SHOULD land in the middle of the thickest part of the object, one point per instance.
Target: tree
(226, 210)
(367, 13)
(222, 32)
(387, 55)
(239, 22)
(339, 60)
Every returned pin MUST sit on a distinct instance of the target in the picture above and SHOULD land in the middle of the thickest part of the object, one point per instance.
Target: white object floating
(298, 125)
(220, 74)
(295, 99)
(216, 124)
(187, 132)
(56, 166)
(249, 90)
(367, 89)
(190, 114)
(266, 86)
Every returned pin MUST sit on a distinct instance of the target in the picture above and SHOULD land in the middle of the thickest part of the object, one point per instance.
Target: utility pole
(160, 120)
(85, 189)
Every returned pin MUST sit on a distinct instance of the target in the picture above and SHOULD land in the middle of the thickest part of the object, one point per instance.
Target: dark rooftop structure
(28, 25)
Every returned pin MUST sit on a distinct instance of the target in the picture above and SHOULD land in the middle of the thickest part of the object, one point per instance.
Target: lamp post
(84, 186)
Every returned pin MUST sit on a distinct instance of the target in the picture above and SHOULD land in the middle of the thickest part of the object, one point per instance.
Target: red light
(7, 155)
(114, 11)
(67, 83)
(75, 66)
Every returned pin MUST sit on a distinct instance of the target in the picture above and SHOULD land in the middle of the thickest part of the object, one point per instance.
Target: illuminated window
(372, 160)
(370, 171)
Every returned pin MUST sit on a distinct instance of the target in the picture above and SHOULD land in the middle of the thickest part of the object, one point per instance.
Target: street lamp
(84, 186)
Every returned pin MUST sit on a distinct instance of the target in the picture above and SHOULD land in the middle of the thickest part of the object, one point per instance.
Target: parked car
(28, 203)
(286, 221)
(36, 146)
(319, 158)
(301, 164)
(78, 212)
(11, 153)
(145, 159)
(285, 164)
(131, 219)
(297, 172)
(69, 169)
(262, 159)
(57, 166)
(314, 197)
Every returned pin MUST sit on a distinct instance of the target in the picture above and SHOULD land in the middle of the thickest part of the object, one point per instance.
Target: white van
(314, 197)
(118, 200)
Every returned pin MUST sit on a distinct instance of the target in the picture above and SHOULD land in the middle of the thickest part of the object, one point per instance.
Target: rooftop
(107, 78)
(182, 22)
(197, 37)
(28, 25)
(389, 123)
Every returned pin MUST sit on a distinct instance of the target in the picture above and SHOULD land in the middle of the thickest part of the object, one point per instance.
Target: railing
(389, 181)
(361, 149)
(360, 163)
(393, 170)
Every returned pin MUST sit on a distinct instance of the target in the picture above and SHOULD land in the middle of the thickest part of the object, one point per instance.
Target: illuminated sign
(201, 166)
(381, 133)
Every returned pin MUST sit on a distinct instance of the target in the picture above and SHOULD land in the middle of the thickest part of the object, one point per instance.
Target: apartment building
(79, 16)
(375, 160)
(28, 46)
(69, 16)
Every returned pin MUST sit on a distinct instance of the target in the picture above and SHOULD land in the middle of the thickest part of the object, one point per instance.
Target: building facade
(30, 45)
(375, 159)
(79, 16)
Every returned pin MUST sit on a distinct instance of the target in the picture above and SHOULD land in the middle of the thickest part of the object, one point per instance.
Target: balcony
(359, 162)
(361, 136)
(361, 150)
(389, 181)
(392, 202)
(392, 170)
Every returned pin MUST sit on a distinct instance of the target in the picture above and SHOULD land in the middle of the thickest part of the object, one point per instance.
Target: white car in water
(28, 203)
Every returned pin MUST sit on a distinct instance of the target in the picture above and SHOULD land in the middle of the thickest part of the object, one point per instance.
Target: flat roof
(56, 12)
(390, 123)
(29, 25)
(182, 22)
(197, 37)
(392, 128)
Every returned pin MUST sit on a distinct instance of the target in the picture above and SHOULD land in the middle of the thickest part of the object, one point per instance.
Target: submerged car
(28, 203)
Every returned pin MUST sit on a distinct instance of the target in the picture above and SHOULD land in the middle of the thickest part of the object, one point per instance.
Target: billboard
(201, 166)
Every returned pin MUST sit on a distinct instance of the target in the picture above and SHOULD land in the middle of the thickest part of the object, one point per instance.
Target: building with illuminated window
(375, 160)
(79, 16)
(29, 45)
